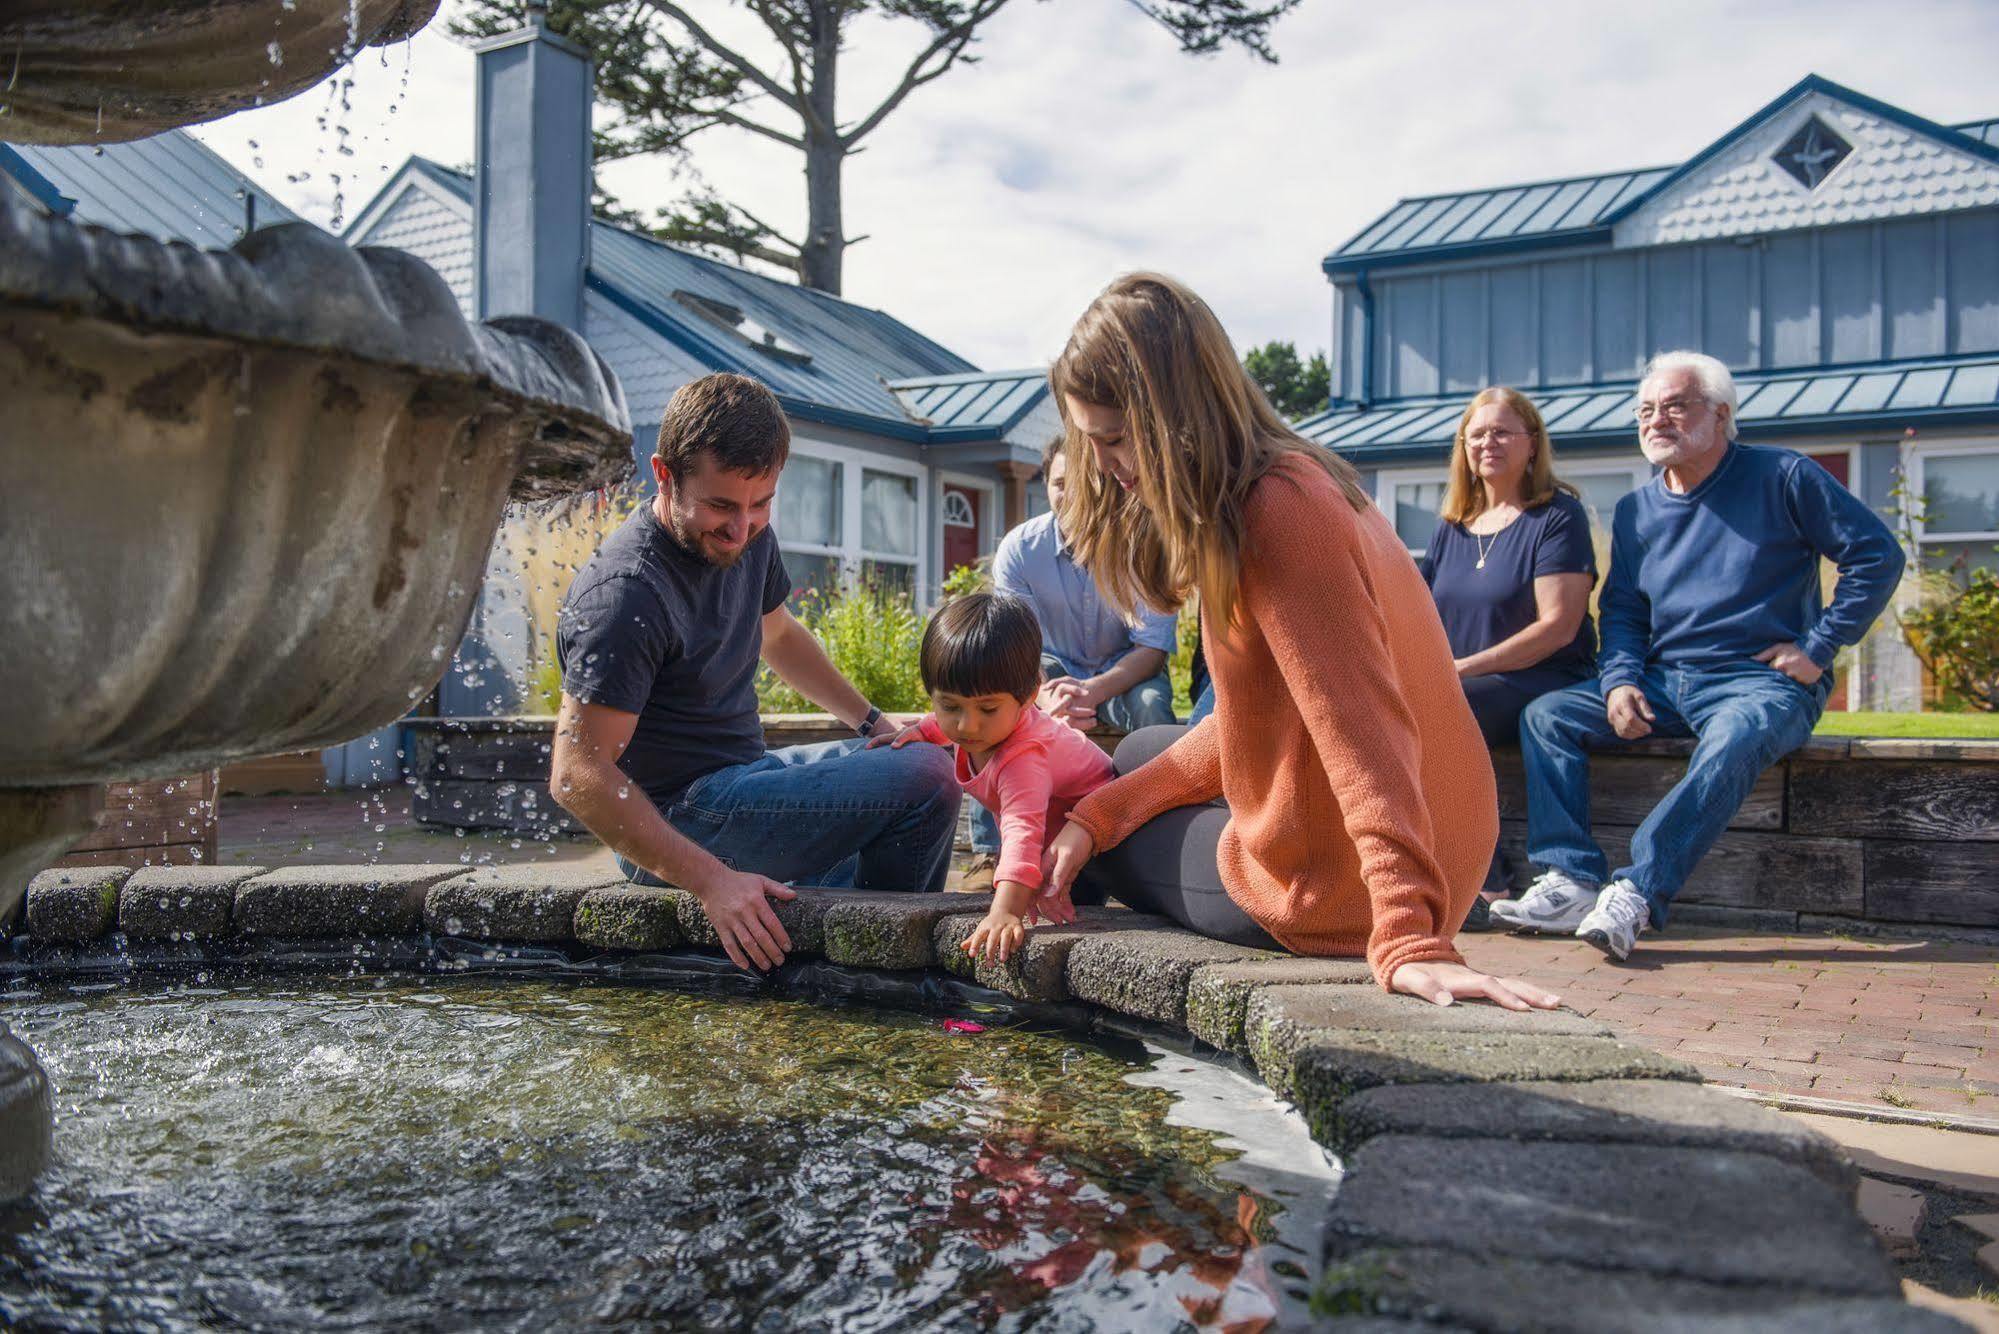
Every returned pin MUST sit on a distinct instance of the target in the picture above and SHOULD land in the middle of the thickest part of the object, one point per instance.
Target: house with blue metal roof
(907, 461)
(171, 186)
(1840, 254)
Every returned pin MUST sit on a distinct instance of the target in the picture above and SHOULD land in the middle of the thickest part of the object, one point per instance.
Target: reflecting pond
(426, 1153)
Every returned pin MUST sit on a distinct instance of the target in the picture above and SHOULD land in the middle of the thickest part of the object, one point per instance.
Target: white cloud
(1000, 199)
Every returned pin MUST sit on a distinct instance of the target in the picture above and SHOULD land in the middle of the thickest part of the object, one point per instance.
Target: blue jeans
(1204, 704)
(1745, 715)
(1147, 704)
(833, 814)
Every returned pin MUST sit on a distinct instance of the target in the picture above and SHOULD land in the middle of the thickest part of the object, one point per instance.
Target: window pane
(1961, 493)
(808, 502)
(1601, 492)
(890, 576)
(1416, 505)
(811, 575)
(888, 513)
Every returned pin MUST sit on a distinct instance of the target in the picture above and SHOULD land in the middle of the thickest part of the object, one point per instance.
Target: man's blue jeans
(833, 814)
(1147, 704)
(1745, 717)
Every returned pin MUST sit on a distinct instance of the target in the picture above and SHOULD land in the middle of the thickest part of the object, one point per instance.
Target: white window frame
(1916, 470)
(1388, 479)
(1636, 473)
(850, 553)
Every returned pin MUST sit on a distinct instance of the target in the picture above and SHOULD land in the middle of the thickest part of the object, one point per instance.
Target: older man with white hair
(1713, 627)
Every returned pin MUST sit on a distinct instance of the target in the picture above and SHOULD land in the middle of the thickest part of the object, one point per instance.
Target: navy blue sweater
(1723, 572)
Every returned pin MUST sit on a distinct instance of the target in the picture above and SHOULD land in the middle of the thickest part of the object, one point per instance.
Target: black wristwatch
(866, 726)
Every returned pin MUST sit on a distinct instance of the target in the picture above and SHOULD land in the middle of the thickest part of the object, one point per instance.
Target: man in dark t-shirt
(659, 750)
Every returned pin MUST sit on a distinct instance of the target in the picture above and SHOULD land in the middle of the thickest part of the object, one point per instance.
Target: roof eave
(1895, 421)
(1337, 264)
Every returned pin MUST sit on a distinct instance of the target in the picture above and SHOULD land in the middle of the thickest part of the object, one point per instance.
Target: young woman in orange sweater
(1360, 805)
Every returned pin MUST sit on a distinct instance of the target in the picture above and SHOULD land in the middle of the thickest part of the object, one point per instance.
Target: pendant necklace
(1484, 546)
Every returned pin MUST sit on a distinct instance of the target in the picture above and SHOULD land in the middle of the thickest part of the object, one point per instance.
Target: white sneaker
(1555, 904)
(1619, 917)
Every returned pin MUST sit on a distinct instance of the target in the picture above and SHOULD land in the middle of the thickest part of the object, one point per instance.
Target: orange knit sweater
(1363, 810)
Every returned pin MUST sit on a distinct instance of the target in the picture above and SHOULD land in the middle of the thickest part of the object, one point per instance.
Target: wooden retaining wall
(162, 822)
(1874, 830)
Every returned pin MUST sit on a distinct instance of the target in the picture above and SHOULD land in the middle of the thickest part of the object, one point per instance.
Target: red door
(963, 506)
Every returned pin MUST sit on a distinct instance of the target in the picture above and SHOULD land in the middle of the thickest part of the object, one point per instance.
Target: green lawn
(1925, 725)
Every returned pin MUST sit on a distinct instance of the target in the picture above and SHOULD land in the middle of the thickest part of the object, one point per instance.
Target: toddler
(981, 663)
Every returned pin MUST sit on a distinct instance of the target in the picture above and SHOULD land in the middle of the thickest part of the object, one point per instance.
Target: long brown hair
(1203, 434)
(1464, 498)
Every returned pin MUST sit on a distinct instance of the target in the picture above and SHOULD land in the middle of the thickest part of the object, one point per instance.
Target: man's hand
(1070, 701)
(1062, 859)
(1630, 712)
(996, 937)
(1793, 662)
(896, 740)
(738, 904)
(1443, 983)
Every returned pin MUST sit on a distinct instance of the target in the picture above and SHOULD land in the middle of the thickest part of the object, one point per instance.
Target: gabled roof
(841, 356)
(1896, 394)
(978, 405)
(1543, 213)
(1581, 210)
(171, 186)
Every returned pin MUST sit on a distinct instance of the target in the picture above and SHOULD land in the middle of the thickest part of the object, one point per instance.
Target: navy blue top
(1732, 567)
(1482, 607)
(649, 627)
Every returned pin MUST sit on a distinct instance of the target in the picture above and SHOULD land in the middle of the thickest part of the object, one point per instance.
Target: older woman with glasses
(1510, 566)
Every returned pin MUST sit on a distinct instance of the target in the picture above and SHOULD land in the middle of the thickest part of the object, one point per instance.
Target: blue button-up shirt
(1077, 625)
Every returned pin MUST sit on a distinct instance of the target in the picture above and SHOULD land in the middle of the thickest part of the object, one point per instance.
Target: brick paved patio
(1888, 1022)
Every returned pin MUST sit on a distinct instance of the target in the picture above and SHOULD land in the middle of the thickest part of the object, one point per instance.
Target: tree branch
(743, 123)
(950, 44)
(741, 63)
(735, 245)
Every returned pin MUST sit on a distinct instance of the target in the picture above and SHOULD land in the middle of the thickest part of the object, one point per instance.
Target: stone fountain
(246, 496)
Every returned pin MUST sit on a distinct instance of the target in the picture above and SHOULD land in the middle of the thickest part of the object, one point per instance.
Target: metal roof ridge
(962, 377)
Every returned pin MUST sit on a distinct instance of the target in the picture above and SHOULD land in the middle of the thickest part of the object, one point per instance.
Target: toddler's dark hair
(983, 644)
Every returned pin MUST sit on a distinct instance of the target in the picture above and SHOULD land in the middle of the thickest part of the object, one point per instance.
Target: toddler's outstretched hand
(996, 938)
(896, 740)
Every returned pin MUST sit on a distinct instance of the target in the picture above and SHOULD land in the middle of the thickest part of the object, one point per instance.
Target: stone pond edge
(1377, 1078)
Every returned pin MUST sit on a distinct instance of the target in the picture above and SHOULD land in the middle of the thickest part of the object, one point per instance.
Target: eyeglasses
(1497, 435)
(1679, 409)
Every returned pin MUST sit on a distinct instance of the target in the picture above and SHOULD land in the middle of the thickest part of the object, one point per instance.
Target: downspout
(1366, 291)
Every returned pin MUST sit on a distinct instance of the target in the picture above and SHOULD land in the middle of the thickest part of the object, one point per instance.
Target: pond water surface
(452, 1154)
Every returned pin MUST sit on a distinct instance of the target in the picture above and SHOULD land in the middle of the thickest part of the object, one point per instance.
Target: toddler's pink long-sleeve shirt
(1029, 783)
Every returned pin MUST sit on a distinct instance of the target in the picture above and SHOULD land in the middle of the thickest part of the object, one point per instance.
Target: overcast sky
(999, 199)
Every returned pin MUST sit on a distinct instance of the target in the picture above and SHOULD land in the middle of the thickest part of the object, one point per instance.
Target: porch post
(1016, 475)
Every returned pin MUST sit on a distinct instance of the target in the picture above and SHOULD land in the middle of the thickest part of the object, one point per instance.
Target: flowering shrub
(1954, 629)
(872, 634)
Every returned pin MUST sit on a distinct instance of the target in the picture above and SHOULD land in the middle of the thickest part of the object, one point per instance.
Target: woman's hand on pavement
(1443, 983)
(1061, 860)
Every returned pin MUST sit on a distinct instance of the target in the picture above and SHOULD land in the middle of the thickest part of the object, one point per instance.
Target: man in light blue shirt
(1095, 668)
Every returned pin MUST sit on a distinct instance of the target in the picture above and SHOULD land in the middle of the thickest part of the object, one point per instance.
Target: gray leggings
(1168, 867)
